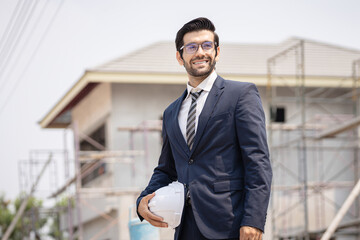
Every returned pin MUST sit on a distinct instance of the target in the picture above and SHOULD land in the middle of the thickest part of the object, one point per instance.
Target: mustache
(201, 58)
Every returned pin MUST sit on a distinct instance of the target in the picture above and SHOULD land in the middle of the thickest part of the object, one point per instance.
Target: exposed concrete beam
(332, 132)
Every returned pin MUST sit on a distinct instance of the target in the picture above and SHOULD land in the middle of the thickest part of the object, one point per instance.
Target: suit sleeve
(164, 173)
(251, 134)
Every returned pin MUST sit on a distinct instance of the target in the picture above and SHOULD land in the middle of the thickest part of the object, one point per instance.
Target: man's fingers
(158, 224)
(148, 215)
(143, 208)
(155, 220)
(250, 233)
(242, 235)
(154, 217)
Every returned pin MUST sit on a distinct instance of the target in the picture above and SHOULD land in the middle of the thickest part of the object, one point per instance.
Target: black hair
(197, 24)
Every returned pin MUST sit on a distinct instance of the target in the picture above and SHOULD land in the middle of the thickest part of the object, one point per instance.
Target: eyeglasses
(192, 48)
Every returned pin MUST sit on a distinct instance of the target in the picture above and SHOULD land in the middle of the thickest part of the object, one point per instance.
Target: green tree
(5, 214)
(30, 221)
(60, 208)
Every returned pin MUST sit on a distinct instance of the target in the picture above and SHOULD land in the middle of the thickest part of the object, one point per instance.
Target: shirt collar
(205, 85)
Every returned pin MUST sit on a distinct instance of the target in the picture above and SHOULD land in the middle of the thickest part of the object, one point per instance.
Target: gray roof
(321, 59)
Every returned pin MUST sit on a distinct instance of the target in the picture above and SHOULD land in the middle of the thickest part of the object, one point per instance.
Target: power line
(37, 21)
(11, 51)
(8, 27)
(15, 29)
(7, 100)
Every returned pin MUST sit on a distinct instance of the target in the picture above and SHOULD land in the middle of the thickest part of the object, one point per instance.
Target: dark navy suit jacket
(228, 170)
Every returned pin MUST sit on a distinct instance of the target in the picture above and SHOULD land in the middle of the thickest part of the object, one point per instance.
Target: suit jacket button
(191, 161)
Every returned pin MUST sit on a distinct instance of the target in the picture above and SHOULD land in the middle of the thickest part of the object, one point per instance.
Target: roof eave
(47, 121)
(167, 78)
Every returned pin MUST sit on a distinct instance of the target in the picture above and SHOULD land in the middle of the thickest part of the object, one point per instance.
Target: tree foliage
(33, 219)
(30, 221)
(5, 214)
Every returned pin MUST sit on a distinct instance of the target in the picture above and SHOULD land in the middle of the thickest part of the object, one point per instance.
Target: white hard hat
(168, 203)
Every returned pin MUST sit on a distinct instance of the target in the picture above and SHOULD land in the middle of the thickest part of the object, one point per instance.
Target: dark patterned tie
(190, 125)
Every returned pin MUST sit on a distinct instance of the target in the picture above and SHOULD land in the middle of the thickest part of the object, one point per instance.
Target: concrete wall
(102, 228)
(325, 160)
(94, 109)
(92, 205)
(133, 104)
(130, 109)
(119, 105)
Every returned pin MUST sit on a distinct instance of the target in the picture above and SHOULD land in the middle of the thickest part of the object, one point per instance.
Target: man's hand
(144, 211)
(250, 233)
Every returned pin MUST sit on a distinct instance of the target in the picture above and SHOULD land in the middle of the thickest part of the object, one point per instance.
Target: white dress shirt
(206, 86)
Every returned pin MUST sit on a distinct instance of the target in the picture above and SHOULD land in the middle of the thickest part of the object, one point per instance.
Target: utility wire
(15, 64)
(8, 27)
(7, 100)
(15, 29)
(11, 51)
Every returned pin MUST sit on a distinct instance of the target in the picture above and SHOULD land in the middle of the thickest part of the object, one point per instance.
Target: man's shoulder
(234, 83)
(237, 85)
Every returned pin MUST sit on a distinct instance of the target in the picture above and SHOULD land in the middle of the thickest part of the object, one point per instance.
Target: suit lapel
(213, 97)
(175, 124)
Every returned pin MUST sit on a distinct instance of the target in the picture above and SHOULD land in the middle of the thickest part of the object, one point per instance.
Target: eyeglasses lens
(193, 47)
(207, 46)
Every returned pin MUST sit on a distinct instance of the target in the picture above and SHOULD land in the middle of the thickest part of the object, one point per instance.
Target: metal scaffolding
(37, 176)
(71, 174)
(84, 196)
(307, 188)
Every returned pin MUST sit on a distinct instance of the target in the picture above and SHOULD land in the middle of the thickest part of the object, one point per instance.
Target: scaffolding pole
(78, 179)
(67, 178)
(299, 50)
(355, 99)
(340, 215)
(303, 159)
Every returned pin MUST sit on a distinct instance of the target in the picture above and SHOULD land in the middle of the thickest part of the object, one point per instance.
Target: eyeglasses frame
(215, 45)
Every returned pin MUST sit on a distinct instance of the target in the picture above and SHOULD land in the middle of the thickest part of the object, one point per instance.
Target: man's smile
(200, 62)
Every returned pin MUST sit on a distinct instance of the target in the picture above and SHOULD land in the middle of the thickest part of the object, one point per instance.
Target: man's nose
(200, 51)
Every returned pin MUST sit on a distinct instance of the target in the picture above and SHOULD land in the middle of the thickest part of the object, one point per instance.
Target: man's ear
(217, 54)
(179, 58)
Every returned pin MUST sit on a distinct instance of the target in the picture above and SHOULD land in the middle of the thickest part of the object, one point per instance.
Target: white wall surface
(91, 112)
(133, 104)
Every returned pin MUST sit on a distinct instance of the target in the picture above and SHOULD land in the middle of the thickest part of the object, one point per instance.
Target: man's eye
(191, 47)
(207, 46)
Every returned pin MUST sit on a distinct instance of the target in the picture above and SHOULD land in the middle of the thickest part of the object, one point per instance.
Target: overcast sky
(63, 38)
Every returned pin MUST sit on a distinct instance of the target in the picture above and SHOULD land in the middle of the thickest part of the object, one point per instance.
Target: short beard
(196, 73)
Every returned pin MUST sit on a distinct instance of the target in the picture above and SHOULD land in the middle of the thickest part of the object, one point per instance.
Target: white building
(134, 90)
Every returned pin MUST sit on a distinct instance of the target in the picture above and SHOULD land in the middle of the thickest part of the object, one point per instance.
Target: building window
(277, 114)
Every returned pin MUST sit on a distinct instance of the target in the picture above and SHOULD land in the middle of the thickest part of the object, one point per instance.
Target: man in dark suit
(214, 142)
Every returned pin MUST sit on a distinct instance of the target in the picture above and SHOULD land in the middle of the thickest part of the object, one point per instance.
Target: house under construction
(310, 94)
